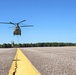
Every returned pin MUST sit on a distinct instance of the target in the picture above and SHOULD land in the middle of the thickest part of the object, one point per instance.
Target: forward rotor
(27, 26)
(12, 22)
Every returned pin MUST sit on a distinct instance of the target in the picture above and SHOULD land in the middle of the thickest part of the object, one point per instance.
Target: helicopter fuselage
(17, 30)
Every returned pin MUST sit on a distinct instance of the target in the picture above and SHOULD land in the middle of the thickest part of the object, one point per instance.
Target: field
(47, 60)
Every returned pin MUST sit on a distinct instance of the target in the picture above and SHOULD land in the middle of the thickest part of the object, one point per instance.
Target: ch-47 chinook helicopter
(17, 29)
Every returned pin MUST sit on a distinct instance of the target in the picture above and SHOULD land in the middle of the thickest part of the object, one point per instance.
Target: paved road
(6, 57)
(53, 60)
(48, 61)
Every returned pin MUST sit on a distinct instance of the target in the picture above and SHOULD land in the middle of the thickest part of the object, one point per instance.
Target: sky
(53, 20)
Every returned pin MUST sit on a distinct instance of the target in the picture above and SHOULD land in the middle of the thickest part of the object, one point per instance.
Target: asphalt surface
(47, 60)
(6, 58)
(53, 60)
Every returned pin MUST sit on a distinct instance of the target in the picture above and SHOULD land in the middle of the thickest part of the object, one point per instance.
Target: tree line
(51, 44)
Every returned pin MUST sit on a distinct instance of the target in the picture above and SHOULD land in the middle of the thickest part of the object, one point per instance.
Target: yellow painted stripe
(22, 66)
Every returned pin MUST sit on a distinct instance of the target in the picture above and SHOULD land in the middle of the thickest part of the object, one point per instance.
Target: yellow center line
(22, 66)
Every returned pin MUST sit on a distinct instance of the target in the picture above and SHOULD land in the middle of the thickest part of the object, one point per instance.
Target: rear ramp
(22, 66)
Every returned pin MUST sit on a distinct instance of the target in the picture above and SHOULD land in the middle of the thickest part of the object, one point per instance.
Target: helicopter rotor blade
(7, 23)
(21, 21)
(27, 26)
(12, 23)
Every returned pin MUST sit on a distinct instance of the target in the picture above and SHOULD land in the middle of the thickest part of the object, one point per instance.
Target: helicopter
(17, 29)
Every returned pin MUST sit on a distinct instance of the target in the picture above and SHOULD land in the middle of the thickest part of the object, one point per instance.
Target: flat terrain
(47, 60)
(6, 58)
(53, 60)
